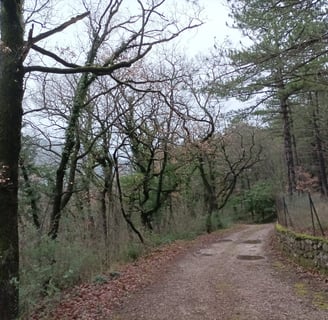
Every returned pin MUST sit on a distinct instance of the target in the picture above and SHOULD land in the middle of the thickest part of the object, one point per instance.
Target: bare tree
(222, 152)
(13, 52)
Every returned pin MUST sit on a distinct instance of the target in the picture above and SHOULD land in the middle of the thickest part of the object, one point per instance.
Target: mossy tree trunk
(11, 93)
(61, 198)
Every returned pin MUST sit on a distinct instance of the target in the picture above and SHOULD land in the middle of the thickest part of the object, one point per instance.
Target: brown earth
(234, 274)
(233, 278)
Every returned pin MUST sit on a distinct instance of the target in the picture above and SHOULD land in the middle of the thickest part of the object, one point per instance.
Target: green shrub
(156, 239)
(48, 266)
(260, 202)
(100, 279)
(133, 251)
(222, 221)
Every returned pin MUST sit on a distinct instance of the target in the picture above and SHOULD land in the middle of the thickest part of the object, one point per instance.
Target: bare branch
(54, 56)
(62, 27)
(98, 70)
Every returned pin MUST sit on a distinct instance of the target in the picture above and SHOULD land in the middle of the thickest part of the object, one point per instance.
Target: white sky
(214, 29)
(200, 40)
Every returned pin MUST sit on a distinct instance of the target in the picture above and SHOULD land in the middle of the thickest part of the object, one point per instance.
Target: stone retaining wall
(307, 250)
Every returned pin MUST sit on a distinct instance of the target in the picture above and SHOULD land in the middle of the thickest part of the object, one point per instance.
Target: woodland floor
(232, 275)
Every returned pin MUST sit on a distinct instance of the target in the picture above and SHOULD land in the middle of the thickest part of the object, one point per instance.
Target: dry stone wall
(307, 250)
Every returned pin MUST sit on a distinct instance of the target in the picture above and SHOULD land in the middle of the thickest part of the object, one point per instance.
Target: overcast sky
(216, 15)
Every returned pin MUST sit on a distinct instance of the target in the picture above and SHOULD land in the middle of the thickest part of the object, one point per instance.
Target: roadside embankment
(308, 250)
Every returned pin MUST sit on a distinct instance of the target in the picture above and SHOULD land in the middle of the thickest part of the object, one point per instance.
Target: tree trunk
(319, 147)
(288, 145)
(212, 208)
(210, 197)
(70, 141)
(293, 138)
(106, 195)
(11, 94)
(31, 195)
(121, 201)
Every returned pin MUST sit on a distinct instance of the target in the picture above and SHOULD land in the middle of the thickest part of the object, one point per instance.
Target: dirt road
(232, 279)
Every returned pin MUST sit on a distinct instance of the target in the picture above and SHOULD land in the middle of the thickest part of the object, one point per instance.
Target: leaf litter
(90, 301)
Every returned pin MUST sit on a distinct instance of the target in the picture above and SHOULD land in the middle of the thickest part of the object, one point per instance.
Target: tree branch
(59, 28)
(31, 41)
(98, 70)
(54, 56)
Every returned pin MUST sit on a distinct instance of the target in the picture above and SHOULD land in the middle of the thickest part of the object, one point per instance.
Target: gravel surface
(234, 278)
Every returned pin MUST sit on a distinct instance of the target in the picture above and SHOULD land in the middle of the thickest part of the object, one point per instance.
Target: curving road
(232, 279)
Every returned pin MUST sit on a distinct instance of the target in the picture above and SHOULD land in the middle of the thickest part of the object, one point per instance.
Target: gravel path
(232, 279)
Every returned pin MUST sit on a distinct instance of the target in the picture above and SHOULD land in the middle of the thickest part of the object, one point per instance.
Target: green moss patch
(299, 236)
(320, 300)
(300, 289)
